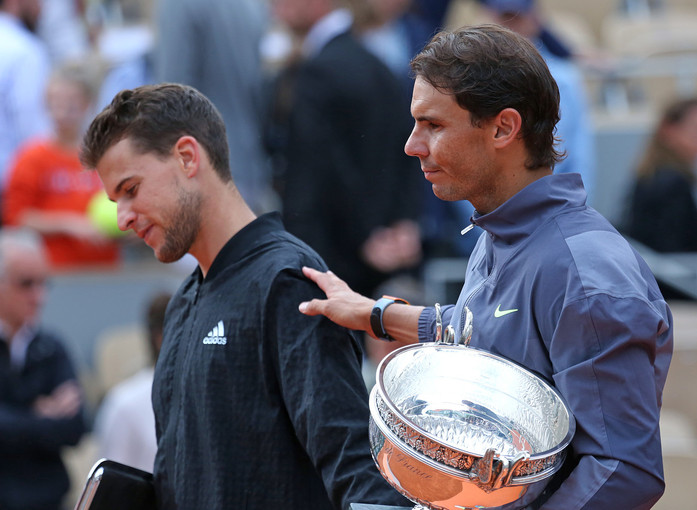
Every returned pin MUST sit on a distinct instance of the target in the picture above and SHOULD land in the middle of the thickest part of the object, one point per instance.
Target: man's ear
(508, 123)
(188, 153)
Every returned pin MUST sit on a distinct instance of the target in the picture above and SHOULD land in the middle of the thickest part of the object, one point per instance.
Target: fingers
(327, 281)
(319, 277)
(311, 273)
(310, 307)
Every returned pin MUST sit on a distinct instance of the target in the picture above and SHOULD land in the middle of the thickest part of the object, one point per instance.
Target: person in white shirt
(125, 423)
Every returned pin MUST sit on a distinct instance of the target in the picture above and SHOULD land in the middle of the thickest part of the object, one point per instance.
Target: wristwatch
(376, 316)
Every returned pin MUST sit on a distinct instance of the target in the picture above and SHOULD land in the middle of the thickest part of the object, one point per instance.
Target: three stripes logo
(216, 336)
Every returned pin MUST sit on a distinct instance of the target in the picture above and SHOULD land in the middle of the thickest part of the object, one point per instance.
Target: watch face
(376, 321)
(376, 316)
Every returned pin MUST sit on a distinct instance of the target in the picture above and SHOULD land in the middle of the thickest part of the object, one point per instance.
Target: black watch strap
(376, 316)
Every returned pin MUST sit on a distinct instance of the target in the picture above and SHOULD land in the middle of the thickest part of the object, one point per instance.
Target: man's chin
(167, 257)
(445, 194)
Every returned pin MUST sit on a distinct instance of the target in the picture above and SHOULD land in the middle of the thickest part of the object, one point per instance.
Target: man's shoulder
(47, 347)
(36, 152)
(604, 261)
(286, 250)
(47, 338)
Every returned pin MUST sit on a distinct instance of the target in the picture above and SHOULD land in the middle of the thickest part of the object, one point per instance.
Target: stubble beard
(183, 228)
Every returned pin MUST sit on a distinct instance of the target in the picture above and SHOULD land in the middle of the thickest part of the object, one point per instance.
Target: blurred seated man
(41, 406)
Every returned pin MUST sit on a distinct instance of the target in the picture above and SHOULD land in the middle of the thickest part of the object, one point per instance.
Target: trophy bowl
(453, 427)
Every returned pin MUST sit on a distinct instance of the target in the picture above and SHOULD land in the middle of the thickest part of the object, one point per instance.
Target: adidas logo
(216, 336)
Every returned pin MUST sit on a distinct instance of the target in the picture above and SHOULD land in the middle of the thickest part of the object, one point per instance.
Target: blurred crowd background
(331, 158)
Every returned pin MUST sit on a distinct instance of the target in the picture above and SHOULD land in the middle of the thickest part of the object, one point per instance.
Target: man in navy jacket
(551, 284)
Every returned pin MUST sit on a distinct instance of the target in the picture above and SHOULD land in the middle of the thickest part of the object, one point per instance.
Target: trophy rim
(451, 458)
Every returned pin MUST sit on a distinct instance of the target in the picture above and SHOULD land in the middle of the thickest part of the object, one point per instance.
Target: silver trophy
(453, 427)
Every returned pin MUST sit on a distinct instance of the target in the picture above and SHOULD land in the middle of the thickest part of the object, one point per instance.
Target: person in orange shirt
(48, 189)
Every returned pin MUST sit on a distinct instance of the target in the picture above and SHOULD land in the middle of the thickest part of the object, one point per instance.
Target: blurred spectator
(47, 188)
(347, 187)
(214, 46)
(393, 31)
(433, 13)
(125, 423)
(124, 41)
(641, 8)
(41, 408)
(523, 17)
(662, 212)
(575, 129)
(62, 28)
(24, 70)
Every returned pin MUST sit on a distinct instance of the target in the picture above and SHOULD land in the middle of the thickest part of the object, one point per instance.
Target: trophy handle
(449, 336)
(467, 328)
(493, 472)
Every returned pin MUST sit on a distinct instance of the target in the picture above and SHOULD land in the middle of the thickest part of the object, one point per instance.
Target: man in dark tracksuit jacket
(256, 405)
(268, 401)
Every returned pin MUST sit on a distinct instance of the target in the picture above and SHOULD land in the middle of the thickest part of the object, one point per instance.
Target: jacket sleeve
(23, 431)
(325, 396)
(427, 322)
(610, 357)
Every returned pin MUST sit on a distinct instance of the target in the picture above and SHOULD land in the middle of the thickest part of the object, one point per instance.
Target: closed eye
(130, 191)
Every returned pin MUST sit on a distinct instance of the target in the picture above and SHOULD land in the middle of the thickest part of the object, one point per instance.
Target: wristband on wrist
(376, 316)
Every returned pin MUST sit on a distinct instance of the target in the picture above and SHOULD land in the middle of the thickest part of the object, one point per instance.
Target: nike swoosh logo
(500, 313)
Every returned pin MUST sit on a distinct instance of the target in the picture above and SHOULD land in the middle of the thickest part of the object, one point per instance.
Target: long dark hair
(658, 154)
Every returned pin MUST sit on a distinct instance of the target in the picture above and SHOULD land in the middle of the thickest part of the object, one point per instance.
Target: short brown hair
(489, 68)
(154, 117)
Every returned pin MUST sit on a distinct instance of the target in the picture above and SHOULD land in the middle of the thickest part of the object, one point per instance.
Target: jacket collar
(243, 243)
(524, 212)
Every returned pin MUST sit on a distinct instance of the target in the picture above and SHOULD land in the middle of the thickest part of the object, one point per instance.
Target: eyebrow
(426, 118)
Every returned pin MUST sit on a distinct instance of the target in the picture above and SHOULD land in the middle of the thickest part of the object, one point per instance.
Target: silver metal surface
(456, 427)
(91, 485)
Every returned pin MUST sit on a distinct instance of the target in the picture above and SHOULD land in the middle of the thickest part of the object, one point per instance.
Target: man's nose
(415, 146)
(125, 216)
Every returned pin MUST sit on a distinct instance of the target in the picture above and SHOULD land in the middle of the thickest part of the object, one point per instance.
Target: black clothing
(32, 473)
(257, 405)
(340, 155)
(663, 212)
